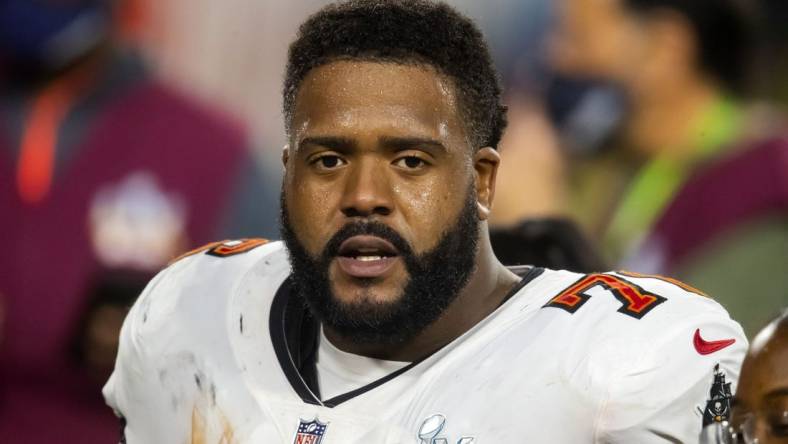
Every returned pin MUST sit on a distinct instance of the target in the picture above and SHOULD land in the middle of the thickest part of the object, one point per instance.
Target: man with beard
(385, 317)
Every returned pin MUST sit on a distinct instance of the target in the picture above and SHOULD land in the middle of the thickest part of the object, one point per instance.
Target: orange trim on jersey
(195, 251)
(244, 245)
(636, 302)
(675, 282)
(224, 248)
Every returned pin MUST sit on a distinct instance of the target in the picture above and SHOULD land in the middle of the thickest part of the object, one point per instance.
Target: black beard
(435, 278)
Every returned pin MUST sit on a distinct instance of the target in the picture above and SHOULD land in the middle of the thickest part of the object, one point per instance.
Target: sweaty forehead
(401, 99)
(767, 360)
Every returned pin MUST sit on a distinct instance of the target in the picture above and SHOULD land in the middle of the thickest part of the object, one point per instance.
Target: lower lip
(366, 269)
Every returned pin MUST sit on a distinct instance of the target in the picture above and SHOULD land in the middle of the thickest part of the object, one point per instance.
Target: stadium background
(228, 56)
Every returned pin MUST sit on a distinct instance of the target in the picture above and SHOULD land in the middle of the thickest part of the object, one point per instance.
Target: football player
(760, 408)
(384, 316)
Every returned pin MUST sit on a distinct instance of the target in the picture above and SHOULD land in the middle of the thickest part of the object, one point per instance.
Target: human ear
(285, 155)
(485, 163)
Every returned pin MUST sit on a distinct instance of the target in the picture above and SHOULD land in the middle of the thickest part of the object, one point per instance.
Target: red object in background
(36, 158)
(132, 17)
(49, 260)
(36, 163)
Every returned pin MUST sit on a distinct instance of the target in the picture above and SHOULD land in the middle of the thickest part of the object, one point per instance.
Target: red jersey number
(635, 301)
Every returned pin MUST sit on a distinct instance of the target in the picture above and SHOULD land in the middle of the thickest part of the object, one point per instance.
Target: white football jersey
(217, 350)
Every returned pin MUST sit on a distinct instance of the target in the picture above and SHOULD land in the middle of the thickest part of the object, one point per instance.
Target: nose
(367, 190)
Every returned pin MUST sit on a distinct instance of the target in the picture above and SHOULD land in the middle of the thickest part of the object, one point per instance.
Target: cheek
(430, 207)
(309, 209)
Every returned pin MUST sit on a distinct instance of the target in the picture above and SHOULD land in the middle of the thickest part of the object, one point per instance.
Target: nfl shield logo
(310, 432)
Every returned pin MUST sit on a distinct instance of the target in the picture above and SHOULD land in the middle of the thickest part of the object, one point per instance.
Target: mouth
(366, 256)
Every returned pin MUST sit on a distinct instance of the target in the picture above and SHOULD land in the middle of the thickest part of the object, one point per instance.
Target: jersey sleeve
(148, 413)
(677, 373)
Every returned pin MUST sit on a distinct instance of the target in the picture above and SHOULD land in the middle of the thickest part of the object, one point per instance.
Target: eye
(778, 422)
(410, 163)
(328, 162)
(777, 416)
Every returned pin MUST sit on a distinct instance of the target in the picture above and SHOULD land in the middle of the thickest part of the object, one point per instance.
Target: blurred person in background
(773, 78)
(105, 174)
(531, 180)
(529, 223)
(708, 198)
(551, 242)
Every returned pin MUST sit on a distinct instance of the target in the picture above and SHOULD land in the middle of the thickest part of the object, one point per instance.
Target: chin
(366, 293)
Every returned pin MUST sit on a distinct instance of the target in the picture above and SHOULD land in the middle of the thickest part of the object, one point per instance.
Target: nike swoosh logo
(708, 347)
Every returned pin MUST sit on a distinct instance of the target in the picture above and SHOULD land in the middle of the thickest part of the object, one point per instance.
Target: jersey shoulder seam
(682, 285)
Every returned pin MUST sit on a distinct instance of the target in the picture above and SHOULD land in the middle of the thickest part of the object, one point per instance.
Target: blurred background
(646, 135)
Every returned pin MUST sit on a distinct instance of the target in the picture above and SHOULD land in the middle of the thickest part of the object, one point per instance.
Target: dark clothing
(131, 154)
(749, 184)
(547, 242)
(726, 232)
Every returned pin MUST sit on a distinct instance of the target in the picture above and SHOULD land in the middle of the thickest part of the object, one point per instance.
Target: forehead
(767, 362)
(360, 95)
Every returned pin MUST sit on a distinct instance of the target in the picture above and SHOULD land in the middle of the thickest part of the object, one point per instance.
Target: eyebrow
(404, 143)
(777, 392)
(398, 143)
(334, 143)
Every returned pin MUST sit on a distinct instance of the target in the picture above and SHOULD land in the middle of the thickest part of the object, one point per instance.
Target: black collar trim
(527, 274)
(288, 315)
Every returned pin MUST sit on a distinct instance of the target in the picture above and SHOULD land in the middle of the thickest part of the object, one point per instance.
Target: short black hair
(409, 32)
(724, 32)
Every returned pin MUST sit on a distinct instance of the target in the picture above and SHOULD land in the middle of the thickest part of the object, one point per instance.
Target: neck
(488, 286)
(664, 121)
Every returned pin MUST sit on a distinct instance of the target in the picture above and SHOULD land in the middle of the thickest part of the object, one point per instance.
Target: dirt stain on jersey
(204, 430)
